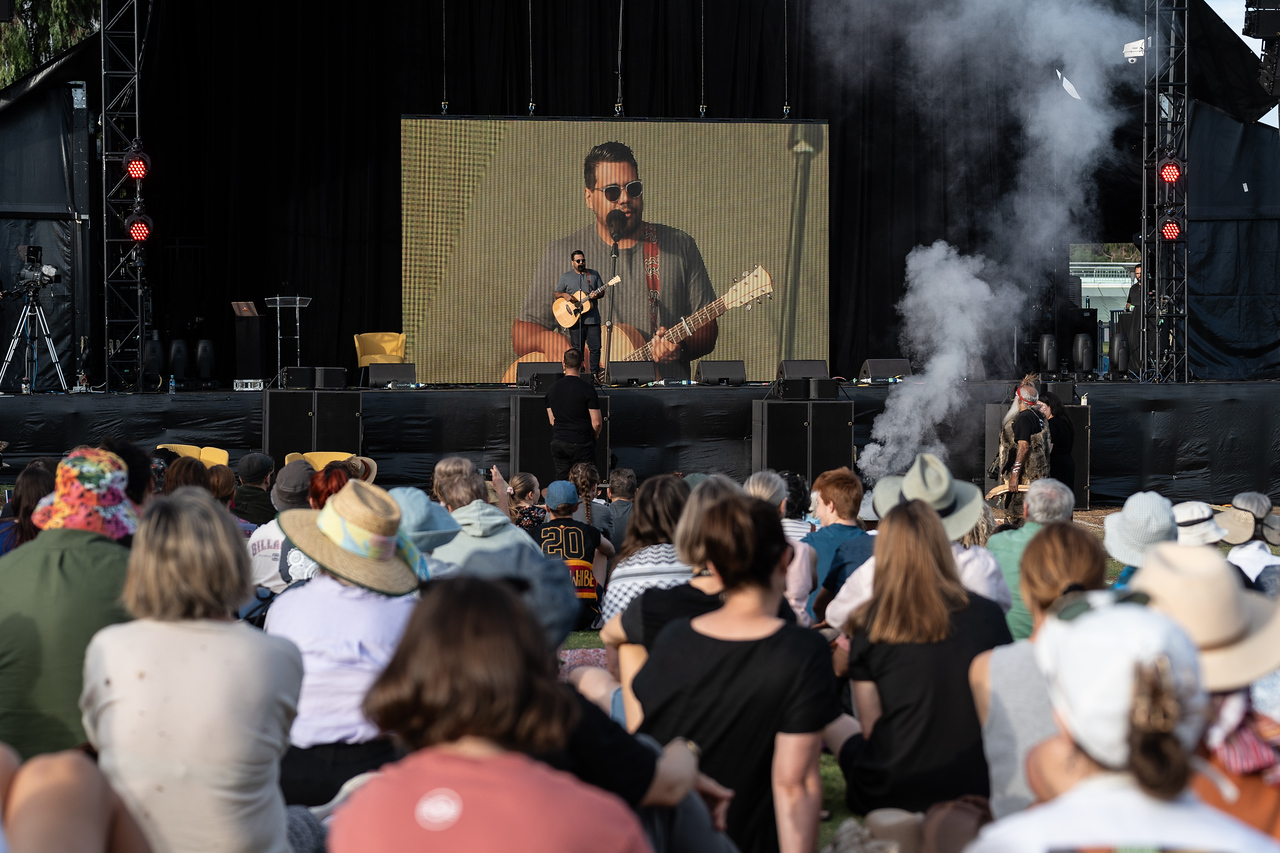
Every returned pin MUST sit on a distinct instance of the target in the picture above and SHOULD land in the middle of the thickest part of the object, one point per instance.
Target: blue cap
(561, 492)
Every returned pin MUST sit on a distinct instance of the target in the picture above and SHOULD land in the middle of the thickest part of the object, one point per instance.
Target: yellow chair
(380, 348)
(210, 456)
(318, 458)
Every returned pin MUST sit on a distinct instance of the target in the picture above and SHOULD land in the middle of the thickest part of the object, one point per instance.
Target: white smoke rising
(1016, 54)
(949, 310)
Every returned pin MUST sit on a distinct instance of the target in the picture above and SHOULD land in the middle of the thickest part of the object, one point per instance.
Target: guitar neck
(683, 329)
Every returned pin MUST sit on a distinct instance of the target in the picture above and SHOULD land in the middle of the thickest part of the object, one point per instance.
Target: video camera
(34, 274)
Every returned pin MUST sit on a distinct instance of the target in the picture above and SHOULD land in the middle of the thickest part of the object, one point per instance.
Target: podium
(281, 304)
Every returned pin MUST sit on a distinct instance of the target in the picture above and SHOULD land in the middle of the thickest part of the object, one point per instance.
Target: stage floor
(1202, 441)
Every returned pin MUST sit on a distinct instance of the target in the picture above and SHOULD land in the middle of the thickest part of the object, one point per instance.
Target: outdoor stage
(1204, 441)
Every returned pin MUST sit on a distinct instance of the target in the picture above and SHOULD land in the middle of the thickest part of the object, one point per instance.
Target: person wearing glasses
(663, 278)
(584, 336)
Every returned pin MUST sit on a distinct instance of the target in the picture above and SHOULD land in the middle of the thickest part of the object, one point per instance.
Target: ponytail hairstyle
(524, 492)
(327, 482)
(1157, 758)
(586, 479)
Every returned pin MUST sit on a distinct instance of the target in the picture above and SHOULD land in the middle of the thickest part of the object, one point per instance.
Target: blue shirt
(825, 540)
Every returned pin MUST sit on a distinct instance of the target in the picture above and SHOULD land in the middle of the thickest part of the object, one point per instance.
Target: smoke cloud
(965, 61)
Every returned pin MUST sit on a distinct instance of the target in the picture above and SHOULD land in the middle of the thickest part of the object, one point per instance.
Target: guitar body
(567, 311)
(626, 340)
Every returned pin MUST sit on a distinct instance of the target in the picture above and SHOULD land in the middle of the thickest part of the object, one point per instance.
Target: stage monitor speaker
(803, 369)
(331, 377)
(178, 360)
(531, 437)
(297, 378)
(540, 383)
(526, 369)
(633, 373)
(1066, 391)
(882, 369)
(382, 375)
(205, 365)
(302, 421)
(802, 436)
(823, 389)
(249, 348)
(721, 372)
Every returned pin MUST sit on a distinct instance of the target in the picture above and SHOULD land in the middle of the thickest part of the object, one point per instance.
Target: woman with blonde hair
(802, 574)
(190, 711)
(1009, 692)
(909, 658)
(524, 492)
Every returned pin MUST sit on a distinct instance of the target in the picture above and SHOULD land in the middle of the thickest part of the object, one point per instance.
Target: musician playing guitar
(581, 287)
(663, 279)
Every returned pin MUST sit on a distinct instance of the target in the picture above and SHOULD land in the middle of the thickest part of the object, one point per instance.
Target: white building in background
(1105, 286)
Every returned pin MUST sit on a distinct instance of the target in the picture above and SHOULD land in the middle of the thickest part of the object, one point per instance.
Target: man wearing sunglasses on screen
(663, 279)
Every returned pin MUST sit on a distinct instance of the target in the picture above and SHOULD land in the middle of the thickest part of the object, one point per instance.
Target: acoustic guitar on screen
(568, 308)
(628, 344)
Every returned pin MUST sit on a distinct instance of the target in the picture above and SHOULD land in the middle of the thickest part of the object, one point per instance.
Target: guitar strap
(650, 238)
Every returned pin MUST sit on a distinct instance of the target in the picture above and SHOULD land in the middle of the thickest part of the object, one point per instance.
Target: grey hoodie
(484, 528)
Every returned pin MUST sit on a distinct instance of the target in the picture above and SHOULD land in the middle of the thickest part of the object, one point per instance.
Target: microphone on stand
(616, 221)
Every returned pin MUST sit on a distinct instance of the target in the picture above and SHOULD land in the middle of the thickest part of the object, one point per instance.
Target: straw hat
(957, 503)
(1147, 518)
(356, 537)
(367, 468)
(1236, 631)
(89, 494)
(1195, 524)
(1250, 518)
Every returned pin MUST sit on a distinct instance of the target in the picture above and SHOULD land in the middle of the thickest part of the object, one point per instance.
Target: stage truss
(1164, 137)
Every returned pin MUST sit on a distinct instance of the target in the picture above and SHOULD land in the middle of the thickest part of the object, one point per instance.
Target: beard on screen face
(619, 174)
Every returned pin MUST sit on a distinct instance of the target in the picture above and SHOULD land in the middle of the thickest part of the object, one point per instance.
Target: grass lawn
(584, 640)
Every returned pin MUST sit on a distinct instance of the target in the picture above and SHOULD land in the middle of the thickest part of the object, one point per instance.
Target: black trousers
(591, 336)
(312, 776)
(564, 455)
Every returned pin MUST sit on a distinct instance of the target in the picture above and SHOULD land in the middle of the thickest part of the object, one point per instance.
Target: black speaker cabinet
(883, 369)
(1080, 424)
(302, 421)
(531, 438)
(382, 375)
(331, 377)
(525, 370)
(805, 436)
(802, 369)
(823, 389)
(633, 372)
(721, 372)
(540, 383)
(296, 378)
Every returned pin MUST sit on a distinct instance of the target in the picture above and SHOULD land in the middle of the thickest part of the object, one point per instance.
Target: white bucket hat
(1147, 518)
(1196, 525)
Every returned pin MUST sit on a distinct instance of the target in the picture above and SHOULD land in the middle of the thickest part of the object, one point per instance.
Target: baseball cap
(292, 488)
(253, 468)
(561, 492)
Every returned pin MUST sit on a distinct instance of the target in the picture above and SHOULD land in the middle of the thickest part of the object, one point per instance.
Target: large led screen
(722, 241)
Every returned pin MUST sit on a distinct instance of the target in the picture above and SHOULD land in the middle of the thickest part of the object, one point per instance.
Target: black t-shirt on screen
(926, 746)
(1026, 424)
(732, 698)
(571, 399)
(650, 611)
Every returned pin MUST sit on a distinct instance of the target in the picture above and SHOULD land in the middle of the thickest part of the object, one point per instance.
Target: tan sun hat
(1237, 632)
(367, 467)
(958, 504)
(1248, 518)
(356, 537)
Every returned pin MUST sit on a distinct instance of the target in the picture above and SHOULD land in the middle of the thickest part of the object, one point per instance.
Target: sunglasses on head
(613, 192)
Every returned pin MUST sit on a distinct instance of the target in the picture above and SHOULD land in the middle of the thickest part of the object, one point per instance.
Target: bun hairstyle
(1157, 758)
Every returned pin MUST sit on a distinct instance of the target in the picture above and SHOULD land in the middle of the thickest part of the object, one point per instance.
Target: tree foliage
(1109, 253)
(41, 29)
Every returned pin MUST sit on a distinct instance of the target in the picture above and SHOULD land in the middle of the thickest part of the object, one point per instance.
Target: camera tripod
(31, 310)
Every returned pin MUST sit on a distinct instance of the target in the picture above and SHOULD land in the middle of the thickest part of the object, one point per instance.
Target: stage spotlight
(1170, 228)
(1169, 170)
(136, 163)
(139, 227)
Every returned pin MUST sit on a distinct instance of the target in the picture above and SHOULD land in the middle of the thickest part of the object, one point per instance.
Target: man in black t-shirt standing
(573, 407)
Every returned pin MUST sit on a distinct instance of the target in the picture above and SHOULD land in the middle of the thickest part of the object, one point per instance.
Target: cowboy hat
(1236, 631)
(957, 503)
(356, 537)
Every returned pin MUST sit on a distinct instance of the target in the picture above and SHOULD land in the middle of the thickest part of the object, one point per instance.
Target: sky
(1232, 11)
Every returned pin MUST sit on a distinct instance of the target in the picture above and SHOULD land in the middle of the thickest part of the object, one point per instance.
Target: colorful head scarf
(89, 495)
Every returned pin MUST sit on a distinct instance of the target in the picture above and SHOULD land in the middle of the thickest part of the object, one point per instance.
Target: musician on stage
(663, 276)
(585, 332)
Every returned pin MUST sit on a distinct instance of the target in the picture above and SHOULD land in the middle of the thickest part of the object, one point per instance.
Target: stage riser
(1190, 442)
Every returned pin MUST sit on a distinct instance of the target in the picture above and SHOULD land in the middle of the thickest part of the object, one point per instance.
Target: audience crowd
(205, 658)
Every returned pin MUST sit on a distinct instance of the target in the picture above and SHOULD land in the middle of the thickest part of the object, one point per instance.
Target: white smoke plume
(1013, 53)
(948, 308)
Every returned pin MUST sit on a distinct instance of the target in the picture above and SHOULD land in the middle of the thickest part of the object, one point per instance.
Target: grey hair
(1049, 500)
(768, 486)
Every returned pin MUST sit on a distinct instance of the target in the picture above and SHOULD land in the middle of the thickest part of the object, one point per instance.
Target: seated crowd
(201, 658)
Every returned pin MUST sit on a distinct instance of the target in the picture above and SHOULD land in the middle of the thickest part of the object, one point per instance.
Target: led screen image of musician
(575, 310)
(662, 277)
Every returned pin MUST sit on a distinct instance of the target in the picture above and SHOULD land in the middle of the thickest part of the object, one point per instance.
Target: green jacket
(1007, 548)
(56, 592)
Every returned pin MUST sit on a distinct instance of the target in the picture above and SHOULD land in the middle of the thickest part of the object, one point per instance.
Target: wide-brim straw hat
(367, 467)
(1250, 514)
(356, 538)
(1145, 519)
(1237, 632)
(1196, 525)
(958, 504)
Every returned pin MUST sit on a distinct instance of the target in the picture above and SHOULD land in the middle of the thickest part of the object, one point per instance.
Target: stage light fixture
(139, 227)
(136, 162)
(1169, 170)
(1170, 228)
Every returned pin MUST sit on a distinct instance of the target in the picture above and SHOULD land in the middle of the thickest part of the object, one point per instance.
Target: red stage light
(1170, 229)
(1170, 171)
(136, 166)
(138, 226)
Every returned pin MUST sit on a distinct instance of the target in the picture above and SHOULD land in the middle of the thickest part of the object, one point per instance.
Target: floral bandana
(89, 496)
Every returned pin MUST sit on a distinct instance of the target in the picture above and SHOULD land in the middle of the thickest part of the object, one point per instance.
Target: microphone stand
(608, 327)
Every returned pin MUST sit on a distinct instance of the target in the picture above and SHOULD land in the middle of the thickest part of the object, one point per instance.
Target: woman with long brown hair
(648, 558)
(909, 663)
(33, 484)
(471, 689)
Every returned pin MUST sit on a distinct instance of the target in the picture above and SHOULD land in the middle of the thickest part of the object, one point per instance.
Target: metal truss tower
(126, 300)
(1164, 202)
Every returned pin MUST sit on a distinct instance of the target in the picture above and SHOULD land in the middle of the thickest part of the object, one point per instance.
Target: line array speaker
(807, 437)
